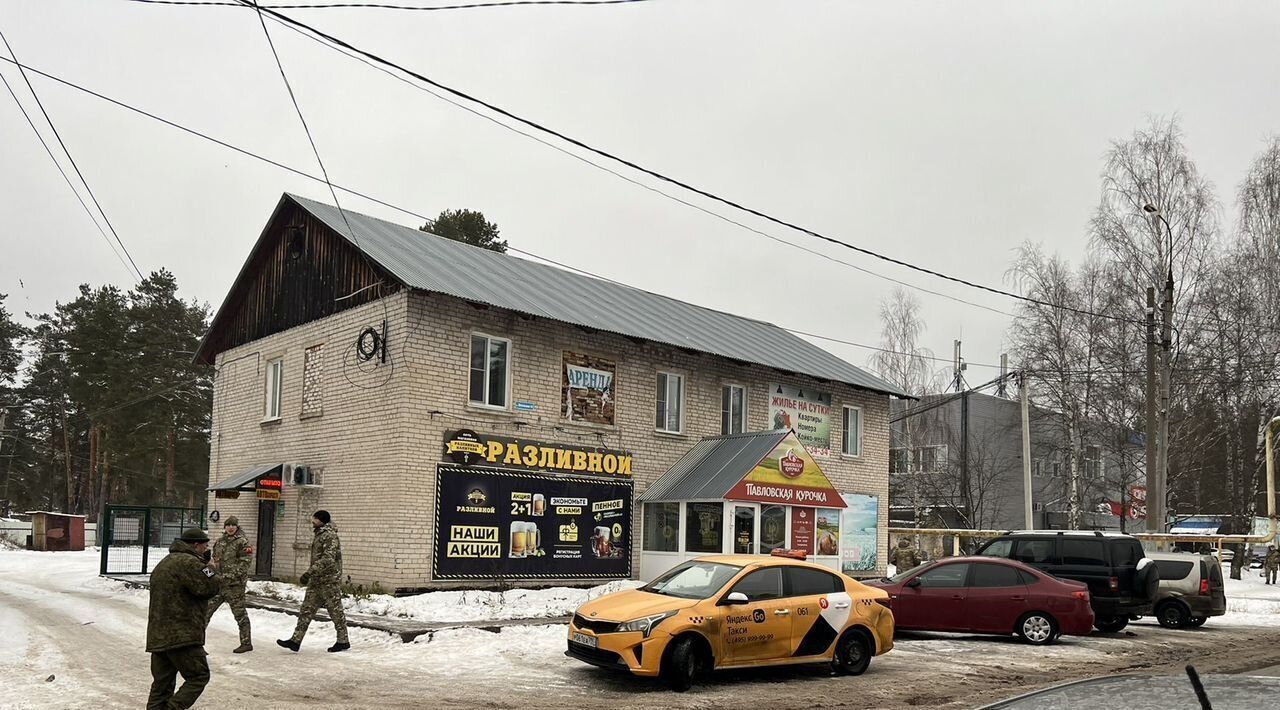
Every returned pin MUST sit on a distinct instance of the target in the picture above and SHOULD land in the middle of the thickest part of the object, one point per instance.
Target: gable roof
(431, 263)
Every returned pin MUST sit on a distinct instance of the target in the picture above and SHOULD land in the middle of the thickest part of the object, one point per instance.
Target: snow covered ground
(59, 620)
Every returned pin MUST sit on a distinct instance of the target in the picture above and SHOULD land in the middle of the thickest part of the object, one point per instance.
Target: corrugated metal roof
(244, 477)
(713, 466)
(445, 266)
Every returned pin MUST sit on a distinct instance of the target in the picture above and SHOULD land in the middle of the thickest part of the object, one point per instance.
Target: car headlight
(645, 624)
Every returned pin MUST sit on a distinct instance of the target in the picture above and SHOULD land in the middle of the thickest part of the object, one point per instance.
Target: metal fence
(136, 538)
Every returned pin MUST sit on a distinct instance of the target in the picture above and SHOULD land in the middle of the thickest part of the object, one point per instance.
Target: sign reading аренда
(468, 448)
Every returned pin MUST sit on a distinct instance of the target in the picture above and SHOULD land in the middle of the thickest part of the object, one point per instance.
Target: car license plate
(586, 640)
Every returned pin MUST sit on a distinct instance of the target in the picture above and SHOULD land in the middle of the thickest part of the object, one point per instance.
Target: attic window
(297, 242)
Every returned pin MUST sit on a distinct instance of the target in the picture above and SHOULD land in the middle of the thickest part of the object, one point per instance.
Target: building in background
(472, 417)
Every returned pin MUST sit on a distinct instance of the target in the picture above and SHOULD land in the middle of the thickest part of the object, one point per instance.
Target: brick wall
(381, 431)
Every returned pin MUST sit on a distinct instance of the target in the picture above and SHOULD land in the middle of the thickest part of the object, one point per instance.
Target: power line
(393, 6)
(63, 172)
(57, 135)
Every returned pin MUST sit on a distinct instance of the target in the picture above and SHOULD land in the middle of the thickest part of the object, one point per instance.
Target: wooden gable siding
(278, 291)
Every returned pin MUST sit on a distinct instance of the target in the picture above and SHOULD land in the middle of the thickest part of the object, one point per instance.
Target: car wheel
(1037, 628)
(683, 664)
(1110, 624)
(1172, 615)
(1197, 621)
(853, 653)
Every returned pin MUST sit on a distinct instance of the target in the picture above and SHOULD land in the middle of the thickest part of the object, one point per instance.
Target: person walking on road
(1271, 564)
(181, 586)
(905, 557)
(233, 555)
(323, 580)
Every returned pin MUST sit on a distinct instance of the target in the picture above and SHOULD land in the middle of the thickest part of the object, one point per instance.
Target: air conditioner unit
(301, 475)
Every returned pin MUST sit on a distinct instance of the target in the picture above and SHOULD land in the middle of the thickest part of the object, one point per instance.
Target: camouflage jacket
(181, 586)
(904, 558)
(326, 557)
(234, 555)
(1272, 560)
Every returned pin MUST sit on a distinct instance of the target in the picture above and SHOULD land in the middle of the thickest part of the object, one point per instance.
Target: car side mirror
(735, 598)
(915, 582)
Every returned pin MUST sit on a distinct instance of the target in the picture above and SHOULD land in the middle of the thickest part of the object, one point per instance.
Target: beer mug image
(533, 539)
(539, 504)
(519, 539)
(600, 542)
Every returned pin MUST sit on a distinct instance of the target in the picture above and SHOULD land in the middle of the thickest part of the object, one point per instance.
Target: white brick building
(354, 359)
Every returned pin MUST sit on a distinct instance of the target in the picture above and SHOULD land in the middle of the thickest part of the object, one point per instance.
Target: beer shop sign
(468, 448)
(513, 525)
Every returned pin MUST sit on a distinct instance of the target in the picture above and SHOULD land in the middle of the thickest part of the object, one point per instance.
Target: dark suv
(1122, 580)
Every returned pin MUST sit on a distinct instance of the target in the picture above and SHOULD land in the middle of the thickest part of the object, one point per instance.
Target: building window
(661, 527)
(313, 381)
(733, 410)
(275, 380)
(931, 459)
(704, 527)
(490, 365)
(773, 528)
(1035, 467)
(1093, 462)
(852, 445)
(899, 461)
(670, 400)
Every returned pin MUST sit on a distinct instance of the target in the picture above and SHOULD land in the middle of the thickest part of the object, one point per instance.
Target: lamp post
(1157, 496)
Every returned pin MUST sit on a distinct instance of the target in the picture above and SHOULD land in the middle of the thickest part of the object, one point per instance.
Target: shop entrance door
(746, 528)
(266, 537)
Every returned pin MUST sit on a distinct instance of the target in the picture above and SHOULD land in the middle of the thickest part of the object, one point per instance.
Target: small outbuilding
(56, 532)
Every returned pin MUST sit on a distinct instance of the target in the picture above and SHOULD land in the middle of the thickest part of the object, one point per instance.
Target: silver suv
(1191, 589)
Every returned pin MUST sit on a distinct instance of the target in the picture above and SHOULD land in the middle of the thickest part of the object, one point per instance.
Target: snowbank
(465, 605)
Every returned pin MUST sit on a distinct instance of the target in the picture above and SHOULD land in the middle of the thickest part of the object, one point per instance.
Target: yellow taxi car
(734, 611)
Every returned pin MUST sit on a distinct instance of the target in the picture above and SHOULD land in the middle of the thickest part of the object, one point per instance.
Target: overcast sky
(941, 133)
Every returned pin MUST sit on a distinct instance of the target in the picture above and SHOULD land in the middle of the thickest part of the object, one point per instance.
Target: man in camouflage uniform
(233, 555)
(181, 586)
(1271, 564)
(905, 557)
(323, 580)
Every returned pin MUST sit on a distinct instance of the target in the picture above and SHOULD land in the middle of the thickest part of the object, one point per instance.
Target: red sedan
(987, 595)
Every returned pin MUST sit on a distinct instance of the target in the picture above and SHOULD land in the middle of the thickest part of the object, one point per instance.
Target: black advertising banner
(496, 524)
(472, 449)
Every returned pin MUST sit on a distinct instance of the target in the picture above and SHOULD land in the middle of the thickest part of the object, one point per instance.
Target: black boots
(243, 648)
(339, 647)
(289, 644)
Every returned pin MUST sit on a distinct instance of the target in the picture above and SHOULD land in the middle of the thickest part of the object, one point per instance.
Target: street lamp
(1159, 477)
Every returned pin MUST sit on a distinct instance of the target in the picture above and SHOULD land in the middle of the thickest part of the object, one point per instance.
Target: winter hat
(322, 516)
(194, 535)
(233, 520)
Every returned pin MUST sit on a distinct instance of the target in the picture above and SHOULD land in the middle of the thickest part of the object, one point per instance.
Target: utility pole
(958, 369)
(1002, 389)
(1029, 523)
(1153, 524)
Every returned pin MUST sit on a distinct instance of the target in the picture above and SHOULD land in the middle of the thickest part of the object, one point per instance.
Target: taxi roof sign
(792, 554)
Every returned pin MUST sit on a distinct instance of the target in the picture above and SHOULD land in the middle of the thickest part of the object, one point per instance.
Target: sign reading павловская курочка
(531, 524)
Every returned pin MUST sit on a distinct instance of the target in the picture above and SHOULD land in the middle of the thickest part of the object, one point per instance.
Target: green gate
(136, 538)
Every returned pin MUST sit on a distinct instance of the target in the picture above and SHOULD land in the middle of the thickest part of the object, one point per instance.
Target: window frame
(844, 433)
(665, 428)
(273, 390)
(483, 403)
(782, 589)
(788, 590)
(726, 415)
(645, 539)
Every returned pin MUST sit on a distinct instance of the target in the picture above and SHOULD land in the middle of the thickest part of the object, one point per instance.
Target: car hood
(632, 604)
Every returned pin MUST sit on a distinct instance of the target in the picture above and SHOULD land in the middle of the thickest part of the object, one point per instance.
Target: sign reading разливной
(468, 448)
(493, 524)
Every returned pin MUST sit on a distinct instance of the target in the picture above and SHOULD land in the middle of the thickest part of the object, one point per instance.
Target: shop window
(773, 528)
(828, 532)
(733, 409)
(313, 381)
(761, 585)
(275, 380)
(670, 402)
(661, 527)
(490, 365)
(704, 527)
(852, 443)
(744, 529)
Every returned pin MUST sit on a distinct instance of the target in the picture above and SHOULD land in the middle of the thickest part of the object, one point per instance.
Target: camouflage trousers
(328, 596)
(189, 662)
(232, 593)
(1271, 575)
